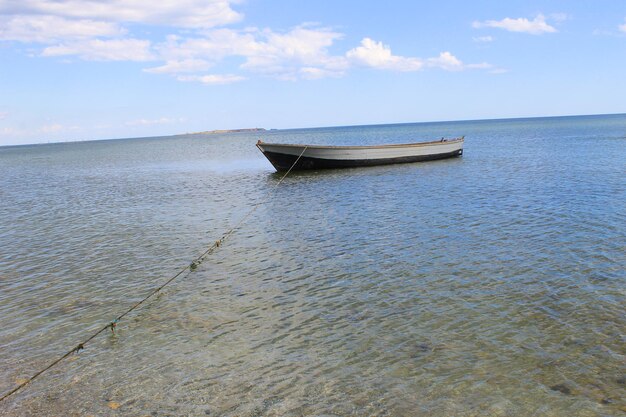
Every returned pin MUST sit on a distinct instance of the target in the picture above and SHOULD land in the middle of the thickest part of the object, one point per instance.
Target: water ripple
(491, 284)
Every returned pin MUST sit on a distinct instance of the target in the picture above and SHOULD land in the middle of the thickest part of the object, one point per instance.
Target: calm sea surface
(491, 284)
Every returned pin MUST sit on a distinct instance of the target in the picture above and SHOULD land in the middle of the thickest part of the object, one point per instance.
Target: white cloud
(215, 45)
(302, 44)
(185, 65)
(537, 26)
(449, 62)
(98, 30)
(215, 79)
(3, 115)
(179, 13)
(279, 55)
(94, 29)
(301, 53)
(51, 29)
(286, 54)
(622, 27)
(104, 50)
(313, 73)
(446, 61)
(376, 55)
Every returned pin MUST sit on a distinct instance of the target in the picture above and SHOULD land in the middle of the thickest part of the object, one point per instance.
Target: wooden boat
(284, 156)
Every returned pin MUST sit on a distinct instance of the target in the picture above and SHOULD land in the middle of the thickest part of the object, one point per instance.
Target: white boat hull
(284, 156)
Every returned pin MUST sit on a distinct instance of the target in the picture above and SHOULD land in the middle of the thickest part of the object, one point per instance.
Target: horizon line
(319, 127)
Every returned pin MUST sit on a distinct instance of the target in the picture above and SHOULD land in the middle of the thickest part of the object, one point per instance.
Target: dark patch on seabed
(562, 388)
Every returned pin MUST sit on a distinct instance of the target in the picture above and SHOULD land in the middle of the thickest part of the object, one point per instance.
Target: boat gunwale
(349, 147)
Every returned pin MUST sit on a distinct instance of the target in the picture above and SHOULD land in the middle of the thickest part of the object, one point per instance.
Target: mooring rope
(191, 267)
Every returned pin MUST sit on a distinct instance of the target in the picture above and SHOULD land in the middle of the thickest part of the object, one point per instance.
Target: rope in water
(191, 267)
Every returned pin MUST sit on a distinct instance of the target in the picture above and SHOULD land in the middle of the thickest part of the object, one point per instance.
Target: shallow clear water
(492, 284)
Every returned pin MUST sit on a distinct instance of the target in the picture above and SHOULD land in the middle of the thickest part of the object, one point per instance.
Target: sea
(493, 284)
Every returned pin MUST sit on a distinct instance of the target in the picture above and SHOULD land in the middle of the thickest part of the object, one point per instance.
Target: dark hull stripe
(283, 162)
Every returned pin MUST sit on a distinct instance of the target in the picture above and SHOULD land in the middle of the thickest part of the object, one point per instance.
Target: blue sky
(84, 69)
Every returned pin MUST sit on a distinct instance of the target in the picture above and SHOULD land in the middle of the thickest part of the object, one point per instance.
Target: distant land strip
(214, 132)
